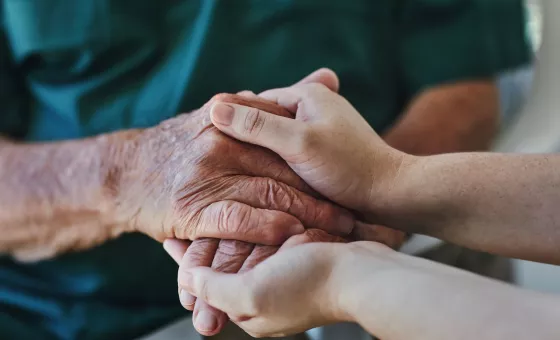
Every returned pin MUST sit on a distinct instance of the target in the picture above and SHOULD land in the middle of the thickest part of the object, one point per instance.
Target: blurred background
(88, 67)
(537, 128)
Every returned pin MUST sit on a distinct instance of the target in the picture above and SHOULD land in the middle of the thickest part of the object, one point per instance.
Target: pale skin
(74, 195)
(181, 179)
(392, 295)
(456, 117)
(505, 204)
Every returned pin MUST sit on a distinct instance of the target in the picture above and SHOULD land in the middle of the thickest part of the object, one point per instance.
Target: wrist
(367, 274)
(376, 296)
(337, 308)
(391, 172)
(117, 160)
(357, 278)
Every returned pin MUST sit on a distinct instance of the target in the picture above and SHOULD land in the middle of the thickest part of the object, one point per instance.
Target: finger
(290, 97)
(238, 221)
(248, 95)
(227, 292)
(311, 236)
(273, 165)
(230, 255)
(282, 135)
(313, 213)
(372, 232)
(299, 96)
(229, 258)
(176, 248)
(259, 254)
(323, 76)
(270, 165)
(256, 102)
(200, 253)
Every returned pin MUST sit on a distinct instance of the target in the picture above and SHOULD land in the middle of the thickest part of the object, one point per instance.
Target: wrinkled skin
(298, 288)
(190, 181)
(230, 257)
(233, 256)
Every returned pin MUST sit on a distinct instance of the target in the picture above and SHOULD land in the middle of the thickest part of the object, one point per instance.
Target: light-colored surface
(538, 130)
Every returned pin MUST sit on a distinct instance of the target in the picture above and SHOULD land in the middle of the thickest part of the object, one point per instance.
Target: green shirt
(75, 68)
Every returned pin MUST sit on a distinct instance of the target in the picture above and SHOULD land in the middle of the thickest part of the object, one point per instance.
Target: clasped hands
(242, 203)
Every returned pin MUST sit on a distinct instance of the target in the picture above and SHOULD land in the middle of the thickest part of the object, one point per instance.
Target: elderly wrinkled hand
(185, 179)
(231, 256)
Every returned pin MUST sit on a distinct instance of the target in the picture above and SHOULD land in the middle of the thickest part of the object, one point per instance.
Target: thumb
(226, 292)
(176, 248)
(323, 76)
(258, 127)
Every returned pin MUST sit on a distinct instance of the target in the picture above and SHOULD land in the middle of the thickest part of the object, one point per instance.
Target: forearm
(499, 203)
(56, 196)
(426, 300)
(449, 118)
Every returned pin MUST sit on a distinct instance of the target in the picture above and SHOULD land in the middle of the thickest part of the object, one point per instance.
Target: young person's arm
(392, 295)
(501, 203)
(505, 204)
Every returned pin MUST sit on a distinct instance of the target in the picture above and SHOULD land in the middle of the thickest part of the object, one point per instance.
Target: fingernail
(346, 223)
(222, 114)
(187, 300)
(206, 321)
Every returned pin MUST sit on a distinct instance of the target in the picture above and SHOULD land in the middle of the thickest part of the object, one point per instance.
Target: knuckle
(225, 215)
(231, 255)
(194, 256)
(254, 122)
(232, 217)
(276, 195)
(198, 252)
(233, 248)
(316, 89)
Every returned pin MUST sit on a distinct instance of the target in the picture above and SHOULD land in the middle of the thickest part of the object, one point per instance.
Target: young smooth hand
(390, 294)
(328, 144)
(297, 289)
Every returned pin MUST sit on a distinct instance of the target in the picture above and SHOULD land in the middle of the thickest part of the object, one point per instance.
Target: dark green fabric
(75, 68)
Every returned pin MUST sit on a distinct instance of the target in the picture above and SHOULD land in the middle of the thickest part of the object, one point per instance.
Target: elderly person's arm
(181, 179)
(449, 55)
(448, 118)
